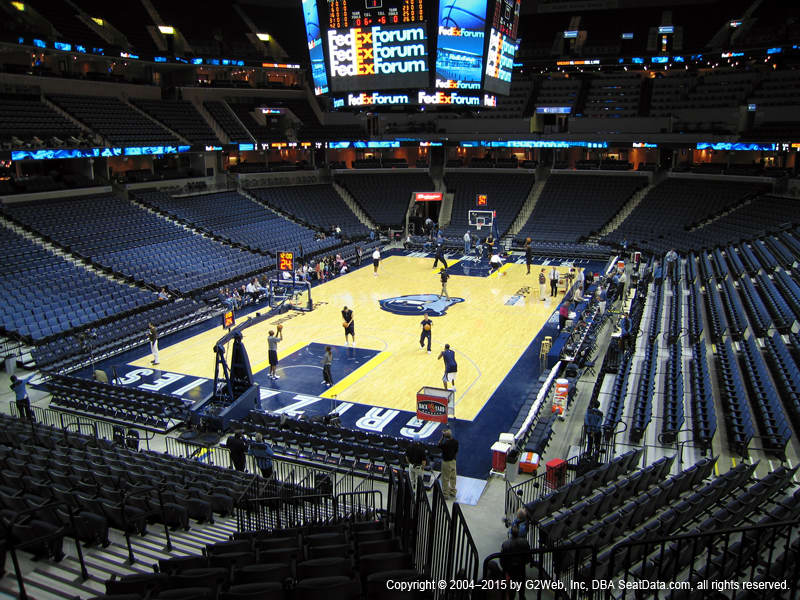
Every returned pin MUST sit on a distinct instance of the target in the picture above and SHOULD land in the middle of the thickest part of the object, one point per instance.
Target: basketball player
(495, 262)
(542, 282)
(152, 335)
(439, 257)
(349, 325)
(426, 333)
(450, 366)
(272, 345)
(445, 276)
(327, 359)
(489, 245)
(376, 260)
(528, 255)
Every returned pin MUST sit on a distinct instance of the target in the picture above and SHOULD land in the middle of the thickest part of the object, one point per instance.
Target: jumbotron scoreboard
(369, 53)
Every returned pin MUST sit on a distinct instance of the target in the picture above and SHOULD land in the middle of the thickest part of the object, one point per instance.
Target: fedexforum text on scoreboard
(377, 51)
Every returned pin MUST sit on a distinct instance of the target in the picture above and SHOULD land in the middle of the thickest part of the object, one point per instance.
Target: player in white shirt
(376, 260)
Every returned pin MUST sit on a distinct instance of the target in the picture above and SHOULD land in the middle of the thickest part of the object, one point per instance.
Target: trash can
(11, 364)
(556, 473)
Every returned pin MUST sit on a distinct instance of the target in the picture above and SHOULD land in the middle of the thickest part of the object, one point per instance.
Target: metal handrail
(12, 547)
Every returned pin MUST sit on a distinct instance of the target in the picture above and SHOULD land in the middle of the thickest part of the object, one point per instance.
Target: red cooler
(499, 455)
(556, 473)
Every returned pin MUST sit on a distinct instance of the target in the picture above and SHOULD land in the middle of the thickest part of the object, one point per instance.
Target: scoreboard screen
(315, 50)
(363, 13)
(499, 62)
(506, 17)
(378, 57)
(459, 53)
(411, 52)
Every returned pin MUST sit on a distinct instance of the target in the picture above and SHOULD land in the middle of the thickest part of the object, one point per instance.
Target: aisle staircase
(51, 581)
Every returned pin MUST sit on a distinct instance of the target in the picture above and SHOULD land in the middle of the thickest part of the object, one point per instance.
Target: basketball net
(478, 226)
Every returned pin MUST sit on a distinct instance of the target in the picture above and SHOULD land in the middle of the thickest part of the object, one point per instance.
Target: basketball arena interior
(356, 299)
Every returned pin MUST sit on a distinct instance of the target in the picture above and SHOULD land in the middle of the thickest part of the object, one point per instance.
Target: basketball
(279, 327)
(427, 328)
(344, 323)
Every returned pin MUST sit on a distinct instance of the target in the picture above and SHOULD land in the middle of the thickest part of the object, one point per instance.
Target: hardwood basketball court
(500, 315)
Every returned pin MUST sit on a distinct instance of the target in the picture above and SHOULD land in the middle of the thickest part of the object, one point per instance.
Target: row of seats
(105, 485)
(335, 446)
(337, 561)
(385, 197)
(318, 205)
(771, 420)
(572, 207)
(704, 416)
(116, 121)
(115, 403)
(121, 236)
(661, 219)
(583, 485)
(232, 127)
(734, 401)
(116, 331)
(180, 116)
(767, 501)
(75, 298)
(785, 371)
(655, 522)
(634, 487)
(238, 219)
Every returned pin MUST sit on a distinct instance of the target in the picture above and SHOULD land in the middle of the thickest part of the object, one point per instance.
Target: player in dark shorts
(349, 325)
(426, 333)
(444, 276)
(272, 345)
(528, 255)
(450, 366)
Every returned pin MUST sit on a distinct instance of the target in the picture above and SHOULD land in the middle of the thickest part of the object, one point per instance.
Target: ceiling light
(166, 29)
(264, 37)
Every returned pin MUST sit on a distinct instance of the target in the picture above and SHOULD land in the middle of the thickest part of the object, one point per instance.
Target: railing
(439, 541)
(83, 425)
(762, 557)
(293, 471)
(535, 488)
(11, 546)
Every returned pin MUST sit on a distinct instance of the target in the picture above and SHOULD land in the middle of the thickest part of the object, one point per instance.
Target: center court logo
(419, 304)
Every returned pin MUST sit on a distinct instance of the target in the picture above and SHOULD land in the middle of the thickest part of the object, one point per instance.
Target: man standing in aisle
(553, 282)
(417, 459)
(237, 448)
(22, 400)
(449, 447)
(467, 243)
(152, 334)
(262, 453)
(514, 559)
